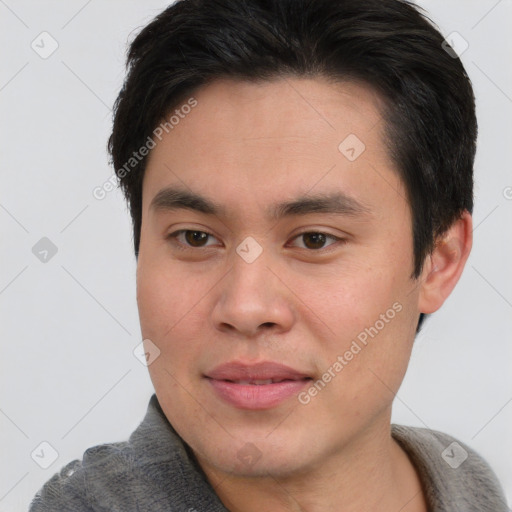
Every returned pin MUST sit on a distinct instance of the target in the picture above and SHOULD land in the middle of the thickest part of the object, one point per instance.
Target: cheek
(370, 318)
(368, 373)
(172, 314)
(165, 294)
(156, 302)
(383, 344)
(348, 298)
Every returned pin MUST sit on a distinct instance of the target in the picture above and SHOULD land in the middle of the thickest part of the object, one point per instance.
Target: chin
(257, 455)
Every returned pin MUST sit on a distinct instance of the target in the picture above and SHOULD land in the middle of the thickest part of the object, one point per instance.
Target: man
(299, 176)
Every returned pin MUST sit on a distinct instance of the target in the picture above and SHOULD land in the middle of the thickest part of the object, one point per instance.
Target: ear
(444, 266)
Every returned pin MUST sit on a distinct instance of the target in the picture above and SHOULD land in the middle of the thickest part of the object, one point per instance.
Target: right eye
(191, 238)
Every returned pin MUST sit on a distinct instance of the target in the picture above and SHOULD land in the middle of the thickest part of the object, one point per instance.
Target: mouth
(266, 372)
(262, 382)
(258, 386)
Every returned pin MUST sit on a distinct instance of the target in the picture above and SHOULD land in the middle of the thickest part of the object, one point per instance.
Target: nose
(253, 299)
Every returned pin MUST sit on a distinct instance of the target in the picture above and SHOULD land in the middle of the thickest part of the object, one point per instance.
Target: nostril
(268, 324)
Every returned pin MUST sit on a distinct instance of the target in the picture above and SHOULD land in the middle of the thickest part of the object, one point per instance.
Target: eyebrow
(334, 203)
(171, 198)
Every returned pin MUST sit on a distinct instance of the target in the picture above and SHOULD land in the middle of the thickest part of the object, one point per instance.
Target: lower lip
(251, 396)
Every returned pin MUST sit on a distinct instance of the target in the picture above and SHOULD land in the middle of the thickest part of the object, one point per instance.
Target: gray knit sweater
(154, 471)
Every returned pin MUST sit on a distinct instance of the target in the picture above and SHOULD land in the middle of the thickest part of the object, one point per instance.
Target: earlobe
(445, 264)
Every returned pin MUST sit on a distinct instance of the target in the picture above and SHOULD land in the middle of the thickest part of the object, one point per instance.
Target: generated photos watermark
(357, 345)
(100, 192)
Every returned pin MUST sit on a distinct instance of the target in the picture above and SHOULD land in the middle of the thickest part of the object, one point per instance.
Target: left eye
(193, 238)
(315, 240)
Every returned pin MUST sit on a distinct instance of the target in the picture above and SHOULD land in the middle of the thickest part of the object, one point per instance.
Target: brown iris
(196, 238)
(314, 240)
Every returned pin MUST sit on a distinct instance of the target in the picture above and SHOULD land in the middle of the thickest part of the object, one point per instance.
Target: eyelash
(185, 247)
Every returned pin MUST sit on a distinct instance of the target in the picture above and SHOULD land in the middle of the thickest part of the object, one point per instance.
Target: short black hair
(390, 45)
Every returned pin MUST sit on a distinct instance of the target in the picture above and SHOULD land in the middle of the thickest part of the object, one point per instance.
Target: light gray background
(69, 326)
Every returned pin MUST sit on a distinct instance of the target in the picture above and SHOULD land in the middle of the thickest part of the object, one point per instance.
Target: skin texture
(247, 146)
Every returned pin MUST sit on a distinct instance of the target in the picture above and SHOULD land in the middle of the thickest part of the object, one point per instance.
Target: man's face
(305, 263)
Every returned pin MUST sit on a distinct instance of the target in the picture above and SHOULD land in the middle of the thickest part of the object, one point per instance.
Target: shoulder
(152, 470)
(452, 473)
(80, 483)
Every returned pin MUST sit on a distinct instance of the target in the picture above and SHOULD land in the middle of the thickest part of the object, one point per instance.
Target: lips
(257, 386)
(259, 373)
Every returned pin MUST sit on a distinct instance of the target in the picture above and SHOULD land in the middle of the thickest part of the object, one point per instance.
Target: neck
(373, 474)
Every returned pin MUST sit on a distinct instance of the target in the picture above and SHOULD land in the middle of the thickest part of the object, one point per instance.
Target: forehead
(304, 110)
(277, 138)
